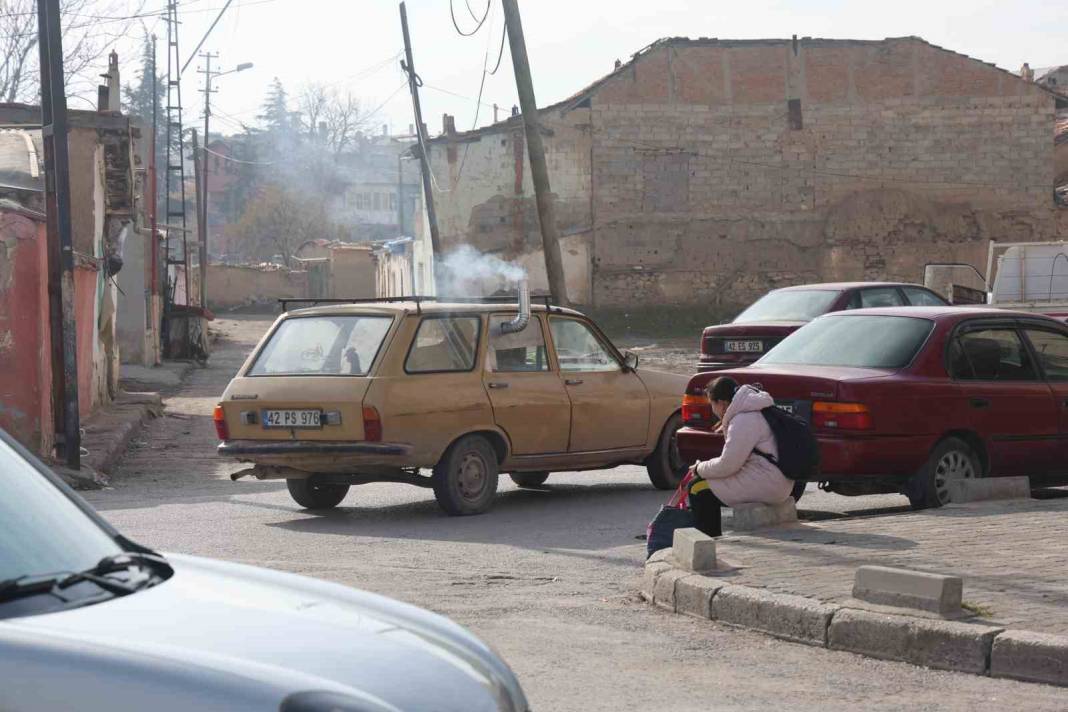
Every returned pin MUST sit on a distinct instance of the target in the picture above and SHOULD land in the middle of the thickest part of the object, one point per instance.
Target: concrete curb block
(973, 648)
(1034, 657)
(946, 645)
(794, 618)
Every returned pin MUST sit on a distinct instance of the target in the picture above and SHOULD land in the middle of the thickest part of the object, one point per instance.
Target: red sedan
(908, 399)
(781, 312)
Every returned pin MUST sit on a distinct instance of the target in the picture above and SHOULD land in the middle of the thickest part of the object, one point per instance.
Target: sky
(355, 45)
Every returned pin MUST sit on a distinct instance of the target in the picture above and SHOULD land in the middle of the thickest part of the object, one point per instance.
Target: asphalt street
(548, 577)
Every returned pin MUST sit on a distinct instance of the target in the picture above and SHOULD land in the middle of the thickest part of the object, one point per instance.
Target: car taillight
(841, 416)
(697, 411)
(221, 429)
(372, 425)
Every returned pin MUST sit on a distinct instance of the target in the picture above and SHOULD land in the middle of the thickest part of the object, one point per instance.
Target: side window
(990, 355)
(854, 301)
(880, 297)
(444, 344)
(578, 349)
(521, 351)
(922, 298)
(1052, 350)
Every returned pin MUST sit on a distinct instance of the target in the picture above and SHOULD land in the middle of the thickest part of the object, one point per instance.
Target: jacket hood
(747, 399)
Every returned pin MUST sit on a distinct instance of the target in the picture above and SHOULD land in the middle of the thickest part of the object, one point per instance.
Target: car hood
(239, 637)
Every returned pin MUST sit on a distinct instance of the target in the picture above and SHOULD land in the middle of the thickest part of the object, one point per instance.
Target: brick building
(706, 171)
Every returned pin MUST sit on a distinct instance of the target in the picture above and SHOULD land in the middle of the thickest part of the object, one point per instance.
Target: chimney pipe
(523, 317)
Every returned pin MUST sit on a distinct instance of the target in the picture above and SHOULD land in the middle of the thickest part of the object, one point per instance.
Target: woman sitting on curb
(740, 475)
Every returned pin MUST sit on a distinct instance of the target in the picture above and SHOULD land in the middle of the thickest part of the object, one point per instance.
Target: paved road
(548, 577)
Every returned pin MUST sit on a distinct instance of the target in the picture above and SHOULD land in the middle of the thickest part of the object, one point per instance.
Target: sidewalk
(1011, 555)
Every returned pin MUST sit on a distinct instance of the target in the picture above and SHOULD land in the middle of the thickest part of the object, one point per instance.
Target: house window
(392, 201)
(377, 201)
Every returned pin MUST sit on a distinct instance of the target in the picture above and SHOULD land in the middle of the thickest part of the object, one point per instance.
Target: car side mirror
(630, 361)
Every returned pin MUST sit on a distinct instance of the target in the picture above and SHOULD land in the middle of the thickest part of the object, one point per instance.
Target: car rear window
(888, 342)
(322, 346)
(789, 305)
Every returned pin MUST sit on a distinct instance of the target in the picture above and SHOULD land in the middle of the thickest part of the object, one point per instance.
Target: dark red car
(907, 399)
(781, 312)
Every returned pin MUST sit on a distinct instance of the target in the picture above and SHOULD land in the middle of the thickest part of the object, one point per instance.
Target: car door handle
(979, 402)
(573, 382)
(497, 385)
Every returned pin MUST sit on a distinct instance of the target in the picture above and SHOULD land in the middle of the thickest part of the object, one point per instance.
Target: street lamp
(209, 75)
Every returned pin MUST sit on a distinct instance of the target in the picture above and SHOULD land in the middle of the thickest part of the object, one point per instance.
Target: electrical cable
(452, 14)
(235, 160)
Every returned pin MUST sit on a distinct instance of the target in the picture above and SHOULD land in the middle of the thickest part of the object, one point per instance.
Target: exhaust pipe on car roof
(523, 317)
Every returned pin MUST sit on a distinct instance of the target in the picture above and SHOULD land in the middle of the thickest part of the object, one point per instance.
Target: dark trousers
(706, 508)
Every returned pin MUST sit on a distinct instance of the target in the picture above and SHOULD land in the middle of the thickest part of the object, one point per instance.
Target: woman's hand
(718, 427)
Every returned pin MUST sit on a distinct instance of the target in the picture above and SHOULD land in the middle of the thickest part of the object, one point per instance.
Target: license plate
(292, 419)
(744, 347)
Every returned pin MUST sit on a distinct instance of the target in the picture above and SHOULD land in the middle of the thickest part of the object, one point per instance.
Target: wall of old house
(706, 172)
(710, 187)
(352, 272)
(231, 286)
(484, 195)
(25, 375)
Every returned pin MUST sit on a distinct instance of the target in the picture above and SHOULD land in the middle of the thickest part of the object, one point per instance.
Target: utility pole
(199, 178)
(400, 194)
(153, 180)
(60, 242)
(202, 182)
(414, 82)
(539, 172)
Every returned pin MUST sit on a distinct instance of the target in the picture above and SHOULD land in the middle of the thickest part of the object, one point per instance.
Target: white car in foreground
(90, 620)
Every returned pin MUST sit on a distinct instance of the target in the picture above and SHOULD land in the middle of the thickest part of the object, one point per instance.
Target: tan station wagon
(381, 391)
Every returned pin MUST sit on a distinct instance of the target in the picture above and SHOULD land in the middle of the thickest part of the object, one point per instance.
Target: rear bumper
(841, 458)
(251, 448)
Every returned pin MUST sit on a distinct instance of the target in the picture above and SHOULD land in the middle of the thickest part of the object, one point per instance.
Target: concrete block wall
(705, 192)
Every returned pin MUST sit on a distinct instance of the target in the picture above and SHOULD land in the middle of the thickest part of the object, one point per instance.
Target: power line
(204, 38)
(235, 160)
(452, 14)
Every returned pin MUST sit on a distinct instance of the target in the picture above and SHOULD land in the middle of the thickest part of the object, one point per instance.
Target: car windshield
(41, 530)
(322, 346)
(789, 305)
(888, 342)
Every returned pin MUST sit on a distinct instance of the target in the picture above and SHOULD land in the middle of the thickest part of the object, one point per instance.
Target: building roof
(21, 160)
(583, 95)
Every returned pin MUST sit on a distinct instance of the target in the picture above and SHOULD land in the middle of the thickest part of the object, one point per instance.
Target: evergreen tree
(137, 101)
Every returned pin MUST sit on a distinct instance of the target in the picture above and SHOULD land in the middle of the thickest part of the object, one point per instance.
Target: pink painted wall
(25, 373)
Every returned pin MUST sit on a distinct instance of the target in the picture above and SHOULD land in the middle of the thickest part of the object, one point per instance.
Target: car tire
(465, 481)
(529, 479)
(665, 467)
(950, 459)
(798, 491)
(310, 494)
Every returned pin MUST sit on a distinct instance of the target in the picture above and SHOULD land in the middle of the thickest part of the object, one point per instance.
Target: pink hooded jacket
(739, 475)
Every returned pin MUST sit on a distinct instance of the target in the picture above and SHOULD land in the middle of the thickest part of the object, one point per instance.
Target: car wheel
(952, 459)
(529, 479)
(465, 481)
(665, 466)
(798, 491)
(311, 494)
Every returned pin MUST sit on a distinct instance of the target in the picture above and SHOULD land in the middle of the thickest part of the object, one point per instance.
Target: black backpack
(799, 451)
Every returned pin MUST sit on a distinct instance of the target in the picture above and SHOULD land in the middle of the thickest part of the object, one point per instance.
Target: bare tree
(339, 114)
(90, 29)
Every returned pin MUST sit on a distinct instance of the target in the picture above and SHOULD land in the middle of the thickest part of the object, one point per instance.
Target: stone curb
(974, 648)
(108, 433)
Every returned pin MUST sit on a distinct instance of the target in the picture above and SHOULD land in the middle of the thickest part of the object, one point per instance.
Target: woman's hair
(723, 389)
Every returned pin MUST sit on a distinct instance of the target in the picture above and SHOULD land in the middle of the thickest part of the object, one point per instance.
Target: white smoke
(466, 272)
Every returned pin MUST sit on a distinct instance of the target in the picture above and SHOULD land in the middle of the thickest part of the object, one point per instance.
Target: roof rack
(419, 300)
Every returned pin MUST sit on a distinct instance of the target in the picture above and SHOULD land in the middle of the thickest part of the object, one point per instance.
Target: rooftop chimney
(411, 129)
(1027, 73)
(385, 129)
(114, 91)
(448, 124)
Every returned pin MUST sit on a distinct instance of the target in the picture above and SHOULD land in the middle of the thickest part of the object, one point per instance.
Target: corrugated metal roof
(21, 158)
